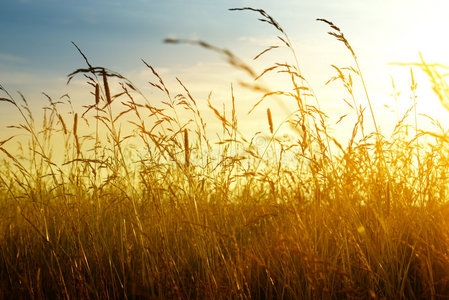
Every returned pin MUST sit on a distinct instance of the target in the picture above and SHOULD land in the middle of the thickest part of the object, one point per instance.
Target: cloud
(31, 83)
(259, 41)
(11, 58)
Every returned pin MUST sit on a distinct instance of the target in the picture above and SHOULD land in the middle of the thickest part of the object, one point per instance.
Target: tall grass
(86, 215)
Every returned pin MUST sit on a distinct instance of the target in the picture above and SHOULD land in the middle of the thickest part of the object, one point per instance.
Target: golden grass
(300, 218)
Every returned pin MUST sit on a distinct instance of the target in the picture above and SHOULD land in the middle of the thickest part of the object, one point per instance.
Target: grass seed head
(270, 120)
(106, 87)
(97, 94)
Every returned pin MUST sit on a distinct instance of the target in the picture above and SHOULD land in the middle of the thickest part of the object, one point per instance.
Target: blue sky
(36, 34)
(36, 52)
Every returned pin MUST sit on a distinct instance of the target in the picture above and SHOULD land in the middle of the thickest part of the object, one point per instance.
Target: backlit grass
(131, 197)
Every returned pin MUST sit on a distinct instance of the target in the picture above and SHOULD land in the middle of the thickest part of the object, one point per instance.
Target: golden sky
(36, 52)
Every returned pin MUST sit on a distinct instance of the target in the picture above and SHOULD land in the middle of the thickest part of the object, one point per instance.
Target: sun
(419, 96)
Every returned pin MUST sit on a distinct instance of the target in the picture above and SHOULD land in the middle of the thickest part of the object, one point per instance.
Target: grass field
(84, 215)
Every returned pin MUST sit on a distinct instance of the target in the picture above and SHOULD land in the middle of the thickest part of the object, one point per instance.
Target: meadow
(89, 210)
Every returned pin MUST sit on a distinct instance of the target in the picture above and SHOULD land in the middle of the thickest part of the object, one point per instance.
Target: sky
(36, 52)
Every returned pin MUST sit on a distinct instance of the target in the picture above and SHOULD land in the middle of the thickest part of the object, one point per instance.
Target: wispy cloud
(19, 78)
(258, 41)
(11, 58)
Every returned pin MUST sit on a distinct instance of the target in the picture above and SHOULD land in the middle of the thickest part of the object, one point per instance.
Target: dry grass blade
(265, 17)
(438, 80)
(161, 85)
(266, 95)
(186, 148)
(265, 51)
(338, 34)
(7, 100)
(61, 120)
(6, 140)
(230, 57)
(75, 133)
(83, 55)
